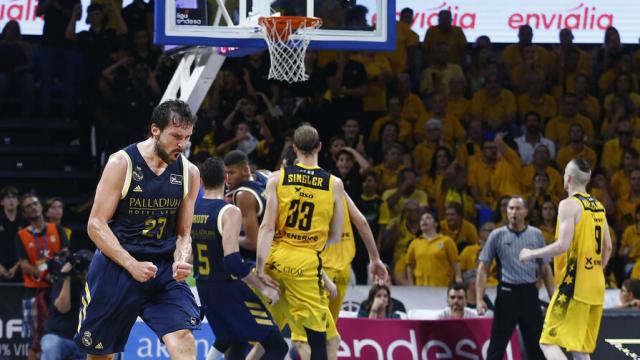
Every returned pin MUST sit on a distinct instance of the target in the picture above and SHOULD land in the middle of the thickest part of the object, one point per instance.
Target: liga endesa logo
(581, 17)
(19, 10)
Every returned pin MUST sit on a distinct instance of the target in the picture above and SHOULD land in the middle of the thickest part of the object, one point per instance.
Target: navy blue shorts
(113, 300)
(234, 312)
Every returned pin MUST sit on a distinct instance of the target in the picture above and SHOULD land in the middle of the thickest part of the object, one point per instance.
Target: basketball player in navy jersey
(235, 313)
(141, 224)
(246, 191)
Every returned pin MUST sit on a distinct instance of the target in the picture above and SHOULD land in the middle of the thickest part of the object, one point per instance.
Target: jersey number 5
(598, 236)
(300, 215)
(204, 267)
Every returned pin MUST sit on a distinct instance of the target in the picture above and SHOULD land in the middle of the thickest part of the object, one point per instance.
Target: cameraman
(68, 284)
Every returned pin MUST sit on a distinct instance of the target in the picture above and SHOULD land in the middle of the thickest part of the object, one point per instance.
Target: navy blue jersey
(206, 240)
(257, 188)
(145, 220)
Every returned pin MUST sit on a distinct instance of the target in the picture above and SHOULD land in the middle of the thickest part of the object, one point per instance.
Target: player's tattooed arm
(182, 254)
(108, 194)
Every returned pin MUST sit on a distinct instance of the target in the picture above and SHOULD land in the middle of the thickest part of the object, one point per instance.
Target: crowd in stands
(430, 139)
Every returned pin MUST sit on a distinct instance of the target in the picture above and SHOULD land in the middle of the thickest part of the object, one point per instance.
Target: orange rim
(280, 23)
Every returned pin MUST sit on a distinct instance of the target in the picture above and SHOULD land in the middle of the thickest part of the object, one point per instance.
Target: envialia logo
(19, 10)
(581, 17)
(429, 17)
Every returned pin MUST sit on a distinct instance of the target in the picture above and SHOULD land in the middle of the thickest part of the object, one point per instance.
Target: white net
(287, 51)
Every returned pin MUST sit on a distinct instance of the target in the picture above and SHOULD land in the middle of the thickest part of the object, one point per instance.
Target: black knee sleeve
(318, 344)
(275, 348)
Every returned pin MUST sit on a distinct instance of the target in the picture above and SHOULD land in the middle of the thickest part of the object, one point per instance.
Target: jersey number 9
(598, 236)
(300, 215)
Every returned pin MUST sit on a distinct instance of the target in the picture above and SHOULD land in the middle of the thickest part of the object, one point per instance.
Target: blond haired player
(304, 211)
(573, 317)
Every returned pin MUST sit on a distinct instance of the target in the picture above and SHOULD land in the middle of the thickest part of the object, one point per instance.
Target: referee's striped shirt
(504, 245)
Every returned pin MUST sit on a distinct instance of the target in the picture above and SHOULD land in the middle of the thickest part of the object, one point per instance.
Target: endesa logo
(581, 17)
(19, 10)
(429, 17)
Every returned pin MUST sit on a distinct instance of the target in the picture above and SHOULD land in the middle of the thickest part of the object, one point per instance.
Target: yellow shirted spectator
(378, 74)
(407, 43)
(549, 217)
(557, 130)
(432, 258)
(493, 103)
(391, 165)
(412, 106)
(469, 256)
(620, 183)
(576, 148)
(542, 164)
(394, 115)
(512, 54)
(452, 130)
(536, 100)
(457, 104)
(626, 206)
(611, 157)
(454, 225)
(423, 152)
(445, 32)
(436, 77)
(405, 191)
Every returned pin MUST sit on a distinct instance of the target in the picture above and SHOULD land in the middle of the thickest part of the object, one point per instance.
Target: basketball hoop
(287, 51)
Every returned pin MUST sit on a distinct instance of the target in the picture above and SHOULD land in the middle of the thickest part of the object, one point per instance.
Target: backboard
(347, 24)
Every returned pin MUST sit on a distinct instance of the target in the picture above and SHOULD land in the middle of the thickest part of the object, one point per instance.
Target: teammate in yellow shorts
(304, 210)
(336, 262)
(573, 316)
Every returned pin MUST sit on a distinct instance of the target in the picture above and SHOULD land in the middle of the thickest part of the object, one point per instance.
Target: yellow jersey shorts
(571, 324)
(303, 301)
(341, 279)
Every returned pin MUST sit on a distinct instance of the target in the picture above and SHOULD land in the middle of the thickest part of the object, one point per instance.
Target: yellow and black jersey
(305, 206)
(583, 275)
(338, 256)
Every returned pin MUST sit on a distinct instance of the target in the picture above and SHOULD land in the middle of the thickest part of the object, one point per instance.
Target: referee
(517, 299)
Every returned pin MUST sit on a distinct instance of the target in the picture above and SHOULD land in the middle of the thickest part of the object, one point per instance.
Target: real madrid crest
(86, 338)
(137, 174)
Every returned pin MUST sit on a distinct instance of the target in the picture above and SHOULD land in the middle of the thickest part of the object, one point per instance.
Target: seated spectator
(406, 189)
(452, 130)
(621, 109)
(513, 55)
(629, 294)
(424, 150)
(622, 88)
(445, 32)
(482, 62)
(500, 211)
(472, 147)
(534, 99)
(463, 232)
(576, 147)
(399, 235)
(533, 136)
(370, 204)
(378, 305)
(629, 252)
(455, 189)
(542, 165)
(391, 166)
(16, 68)
(469, 257)
(432, 182)
(548, 218)
(143, 50)
(350, 166)
(611, 156)
(378, 70)
(432, 258)
(347, 83)
(494, 104)
(353, 137)
(53, 210)
(457, 304)
(66, 299)
(557, 130)
(395, 116)
(588, 105)
(536, 198)
(388, 137)
(436, 77)
(626, 206)
(469, 283)
(412, 106)
(329, 157)
(529, 66)
(620, 179)
(607, 81)
(458, 105)
(567, 59)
